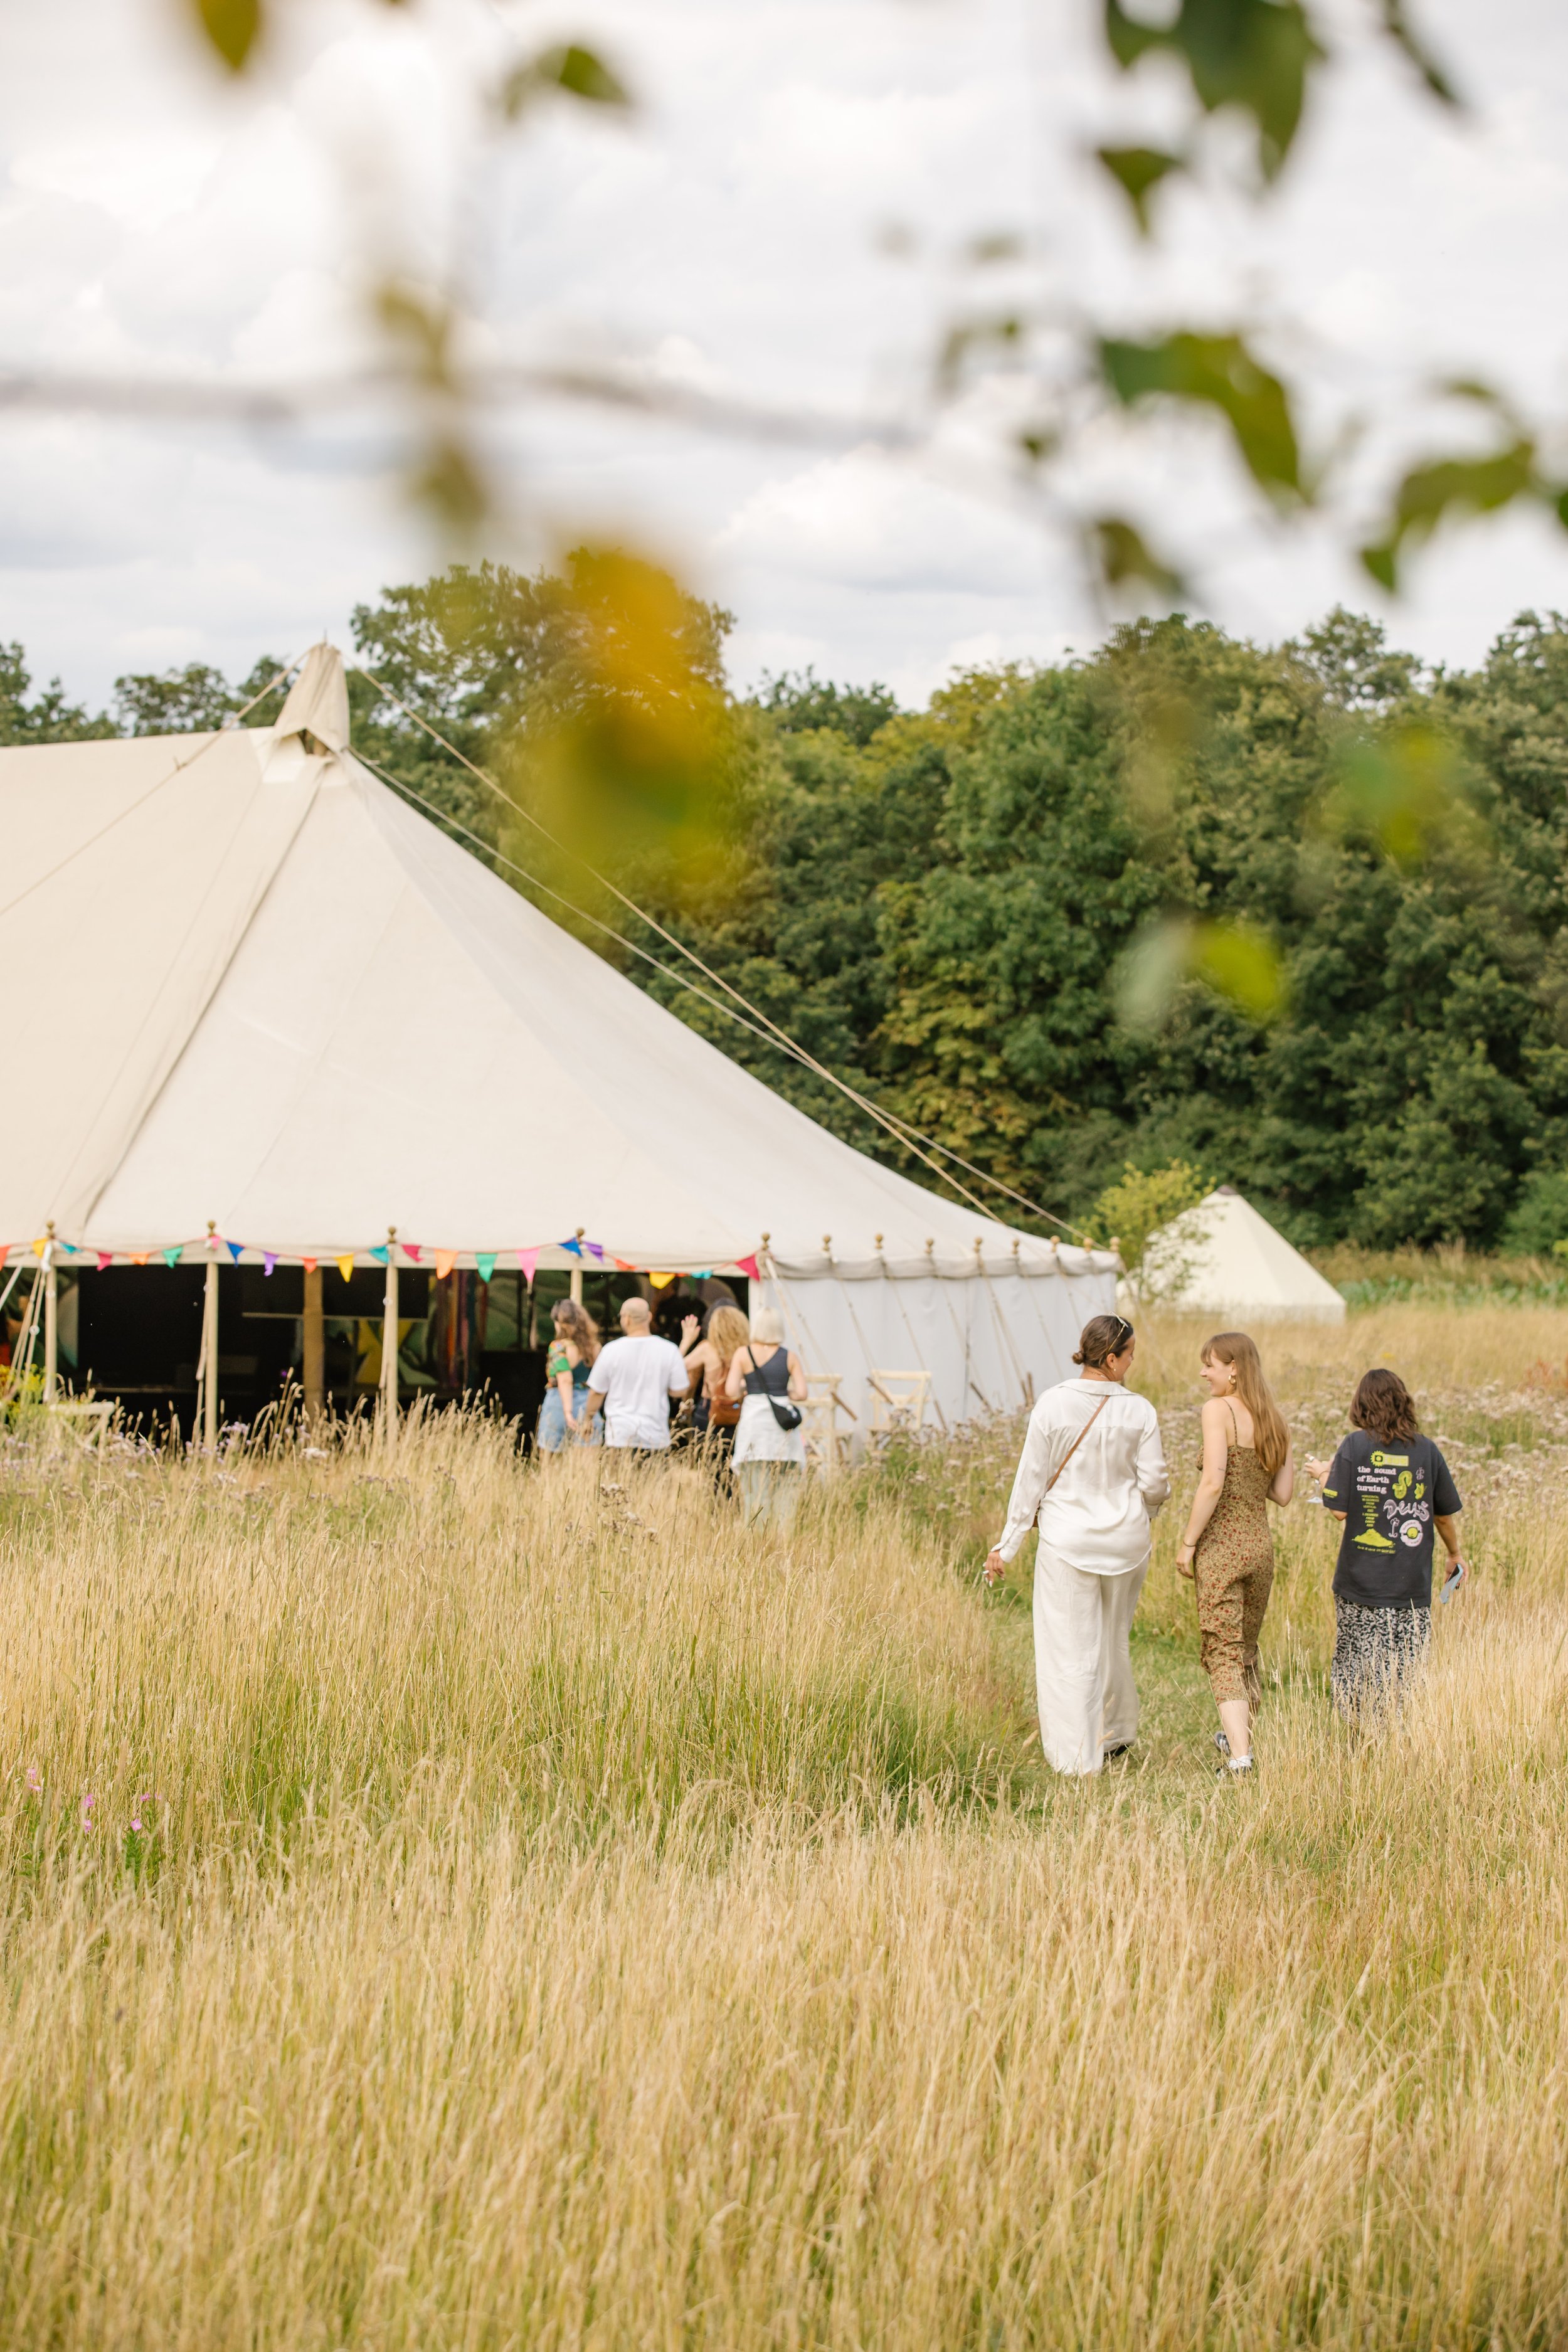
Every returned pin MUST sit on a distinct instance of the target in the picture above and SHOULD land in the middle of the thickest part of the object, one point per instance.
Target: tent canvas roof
(271, 995)
(1223, 1259)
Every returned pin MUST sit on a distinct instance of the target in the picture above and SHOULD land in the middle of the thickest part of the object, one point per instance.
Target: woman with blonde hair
(769, 1452)
(565, 1417)
(1228, 1547)
(713, 1417)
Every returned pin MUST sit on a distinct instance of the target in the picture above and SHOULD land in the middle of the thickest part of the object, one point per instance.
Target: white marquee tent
(1222, 1258)
(272, 1011)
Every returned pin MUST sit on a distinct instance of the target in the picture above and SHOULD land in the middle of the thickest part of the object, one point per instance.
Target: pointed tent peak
(318, 701)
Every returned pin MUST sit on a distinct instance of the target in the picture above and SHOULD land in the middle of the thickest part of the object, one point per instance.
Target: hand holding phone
(1454, 1582)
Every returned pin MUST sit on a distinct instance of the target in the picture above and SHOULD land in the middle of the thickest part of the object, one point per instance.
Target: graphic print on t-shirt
(1389, 1493)
(1385, 1499)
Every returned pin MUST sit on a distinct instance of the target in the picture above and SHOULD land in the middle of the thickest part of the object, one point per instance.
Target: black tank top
(771, 1379)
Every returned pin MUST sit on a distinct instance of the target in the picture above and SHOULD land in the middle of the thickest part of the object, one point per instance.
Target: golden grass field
(560, 1922)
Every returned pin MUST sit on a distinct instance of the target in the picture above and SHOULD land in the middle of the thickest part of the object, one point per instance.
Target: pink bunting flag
(528, 1260)
(105, 1257)
(445, 1261)
(749, 1265)
(411, 1250)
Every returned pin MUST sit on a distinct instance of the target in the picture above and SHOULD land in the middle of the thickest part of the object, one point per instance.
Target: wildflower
(151, 1797)
(35, 1780)
(87, 1805)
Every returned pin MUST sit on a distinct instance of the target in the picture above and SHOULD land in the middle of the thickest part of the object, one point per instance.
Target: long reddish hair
(1269, 1434)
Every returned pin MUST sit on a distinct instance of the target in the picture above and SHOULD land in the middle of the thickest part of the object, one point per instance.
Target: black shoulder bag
(787, 1415)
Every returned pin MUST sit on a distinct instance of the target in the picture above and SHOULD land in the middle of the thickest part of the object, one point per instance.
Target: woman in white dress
(769, 1460)
(1093, 1474)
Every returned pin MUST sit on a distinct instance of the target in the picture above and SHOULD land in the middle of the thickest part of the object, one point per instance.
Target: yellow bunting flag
(346, 1265)
(445, 1261)
(661, 1281)
(40, 1245)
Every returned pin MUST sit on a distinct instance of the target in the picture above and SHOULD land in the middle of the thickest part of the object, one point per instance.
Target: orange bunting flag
(445, 1261)
(140, 1257)
(309, 1264)
(346, 1265)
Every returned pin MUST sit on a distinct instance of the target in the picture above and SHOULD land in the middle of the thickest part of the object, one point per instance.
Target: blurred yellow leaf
(1406, 789)
(565, 69)
(1236, 959)
(232, 28)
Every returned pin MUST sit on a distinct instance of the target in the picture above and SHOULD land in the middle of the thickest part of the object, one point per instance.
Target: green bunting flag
(486, 1261)
(172, 1256)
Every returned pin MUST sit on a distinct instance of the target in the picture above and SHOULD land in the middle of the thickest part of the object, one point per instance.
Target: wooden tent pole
(51, 1321)
(315, 1366)
(389, 1343)
(209, 1359)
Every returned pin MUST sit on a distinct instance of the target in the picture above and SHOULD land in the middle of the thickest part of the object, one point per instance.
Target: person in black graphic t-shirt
(1394, 1493)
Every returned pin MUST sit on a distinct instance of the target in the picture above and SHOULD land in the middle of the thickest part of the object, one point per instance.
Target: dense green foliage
(1297, 916)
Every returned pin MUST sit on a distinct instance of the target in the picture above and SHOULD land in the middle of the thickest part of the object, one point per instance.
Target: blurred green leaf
(974, 334)
(1125, 555)
(1406, 789)
(1254, 54)
(1138, 172)
(1237, 960)
(232, 27)
(1398, 27)
(564, 68)
(1465, 485)
(1217, 371)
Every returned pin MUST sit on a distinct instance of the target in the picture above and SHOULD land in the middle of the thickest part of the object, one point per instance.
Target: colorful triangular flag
(576, 1248)
(234, 1249)
(172, 1256)
(486, 1261)
(445, 1261)
(528, 1260)
(105, 1257)
(625, 1263)
(661, 1281)
(268, 1260)
(345, 1264)
(595, 1249)
(40, 1245)
(381, 1255)
(749, 1265)
(412, 1250)
(310, 1264)
(140, 1257)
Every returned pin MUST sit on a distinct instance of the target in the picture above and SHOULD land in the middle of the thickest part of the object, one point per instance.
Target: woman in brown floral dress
(1228, 1548)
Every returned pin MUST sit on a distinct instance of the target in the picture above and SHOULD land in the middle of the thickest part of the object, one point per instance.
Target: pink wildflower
(35, 1780)
(87, 1805)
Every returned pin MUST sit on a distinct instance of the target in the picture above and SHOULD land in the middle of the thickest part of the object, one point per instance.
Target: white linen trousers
(1083, 1666)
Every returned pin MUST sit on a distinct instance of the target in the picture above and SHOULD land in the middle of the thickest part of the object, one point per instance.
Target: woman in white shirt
(1093, 1474)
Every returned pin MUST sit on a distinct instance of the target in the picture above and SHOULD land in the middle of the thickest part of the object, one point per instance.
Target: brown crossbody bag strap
(1078, 1441)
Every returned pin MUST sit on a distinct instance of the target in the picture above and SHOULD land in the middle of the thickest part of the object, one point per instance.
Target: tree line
(1295, 916)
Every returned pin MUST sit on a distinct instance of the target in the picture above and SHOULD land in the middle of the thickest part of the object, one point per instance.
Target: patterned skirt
(1376, 1652)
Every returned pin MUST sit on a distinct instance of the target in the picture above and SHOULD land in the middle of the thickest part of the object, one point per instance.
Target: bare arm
(1210, 1483)
(1284, 1484)
(735, 1386)
(1447, 1525)
(797, 1387)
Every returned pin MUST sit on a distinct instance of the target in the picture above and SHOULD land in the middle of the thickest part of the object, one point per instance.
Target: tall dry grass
(564, 1923)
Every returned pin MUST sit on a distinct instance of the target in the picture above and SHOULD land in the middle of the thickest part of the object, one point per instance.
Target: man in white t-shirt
(634, 1380)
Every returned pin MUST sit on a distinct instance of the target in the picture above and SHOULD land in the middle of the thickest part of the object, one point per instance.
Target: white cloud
(730, 241)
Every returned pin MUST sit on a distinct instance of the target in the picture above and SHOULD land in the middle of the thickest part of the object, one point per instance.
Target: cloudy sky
(788, 222)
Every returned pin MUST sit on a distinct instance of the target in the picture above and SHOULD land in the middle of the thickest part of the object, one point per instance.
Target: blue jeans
(552, 1436)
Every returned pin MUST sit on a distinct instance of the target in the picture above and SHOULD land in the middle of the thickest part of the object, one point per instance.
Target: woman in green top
(564, 1418)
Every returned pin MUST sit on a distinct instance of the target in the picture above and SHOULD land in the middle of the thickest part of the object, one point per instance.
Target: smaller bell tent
(1223, 1258)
